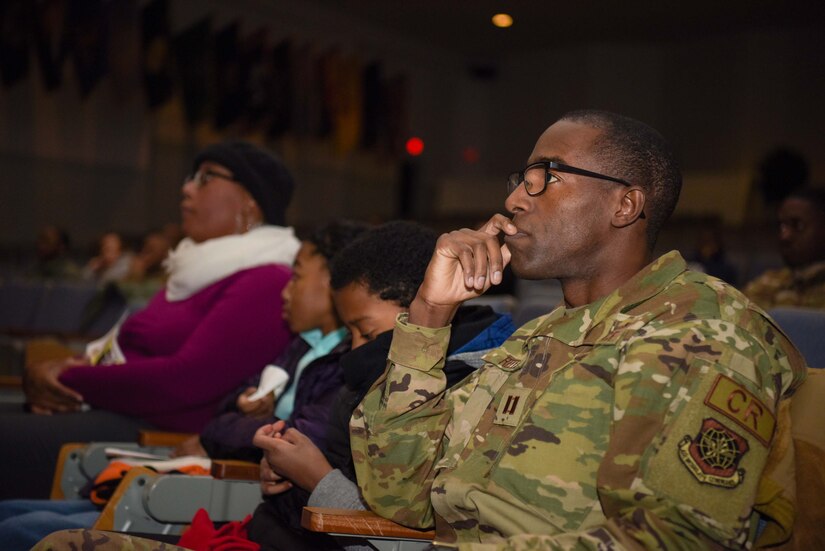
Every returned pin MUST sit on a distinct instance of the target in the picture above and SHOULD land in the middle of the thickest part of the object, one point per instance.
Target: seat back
(806, 328)
(63, 308)
(792, 488)
(807, 414)
(19, 302)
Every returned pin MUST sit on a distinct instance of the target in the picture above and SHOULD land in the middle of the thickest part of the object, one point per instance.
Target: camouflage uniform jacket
(804, 287)
(640, 420)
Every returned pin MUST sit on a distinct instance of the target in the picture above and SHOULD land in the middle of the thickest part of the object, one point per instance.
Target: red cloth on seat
(202, 535)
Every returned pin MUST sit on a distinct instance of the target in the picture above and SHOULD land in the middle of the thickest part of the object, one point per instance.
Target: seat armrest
(106, 520)
(161, 438)
(228, 469)
(358, 523)
(66, 450)
(41, 350)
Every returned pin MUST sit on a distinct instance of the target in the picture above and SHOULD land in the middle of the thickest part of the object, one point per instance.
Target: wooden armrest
(160, 438)
(358, 523)
(229, 469)
(11, 381)
(41, 350)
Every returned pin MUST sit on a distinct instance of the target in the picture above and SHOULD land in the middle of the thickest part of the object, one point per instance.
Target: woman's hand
(262, 408)
(44, 391)
(292, 455)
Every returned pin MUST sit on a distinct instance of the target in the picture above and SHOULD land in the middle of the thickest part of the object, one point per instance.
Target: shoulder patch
(737, 403)
(713, 455)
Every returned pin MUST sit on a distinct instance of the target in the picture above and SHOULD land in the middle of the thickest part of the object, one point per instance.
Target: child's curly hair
(390, 260)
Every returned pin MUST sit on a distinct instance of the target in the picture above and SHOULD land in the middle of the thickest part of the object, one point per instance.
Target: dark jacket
(229, 435)
(474, 328)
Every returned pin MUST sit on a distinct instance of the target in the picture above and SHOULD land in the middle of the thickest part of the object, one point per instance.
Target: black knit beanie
(259, 171)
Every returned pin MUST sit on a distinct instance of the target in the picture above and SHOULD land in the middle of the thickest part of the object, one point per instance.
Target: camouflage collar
(575, 326)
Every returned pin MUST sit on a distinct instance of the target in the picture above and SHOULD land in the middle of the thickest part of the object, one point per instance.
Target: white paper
(273, 379)
(166, 465)
(105, 350)
(120, 452)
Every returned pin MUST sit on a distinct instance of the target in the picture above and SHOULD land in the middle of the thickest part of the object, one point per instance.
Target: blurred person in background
(709, 254)
(802, 246)
(53, 255)
(112, 262)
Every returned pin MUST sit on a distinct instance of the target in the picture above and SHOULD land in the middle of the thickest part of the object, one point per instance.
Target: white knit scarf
(194, 266)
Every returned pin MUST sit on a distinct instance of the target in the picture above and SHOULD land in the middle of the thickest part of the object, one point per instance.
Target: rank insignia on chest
(713, 455)
(511, 406)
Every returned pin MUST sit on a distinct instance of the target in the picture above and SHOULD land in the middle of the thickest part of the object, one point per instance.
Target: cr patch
(737, 403)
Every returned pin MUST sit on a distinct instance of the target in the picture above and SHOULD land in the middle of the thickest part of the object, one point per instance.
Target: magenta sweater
(183, 357)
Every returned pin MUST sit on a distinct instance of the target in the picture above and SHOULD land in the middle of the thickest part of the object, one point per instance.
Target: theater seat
(806, 328)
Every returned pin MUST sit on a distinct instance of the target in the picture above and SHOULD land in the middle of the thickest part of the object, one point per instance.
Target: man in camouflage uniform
(100, 540)
(802, 246)
(639, 414)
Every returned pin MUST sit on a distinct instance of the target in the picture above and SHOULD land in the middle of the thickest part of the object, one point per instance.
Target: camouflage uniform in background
(804, 287)
(642, 419)
(99, 540)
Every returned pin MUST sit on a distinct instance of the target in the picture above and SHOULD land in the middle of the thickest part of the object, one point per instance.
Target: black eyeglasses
(203, 177)
(536, 176)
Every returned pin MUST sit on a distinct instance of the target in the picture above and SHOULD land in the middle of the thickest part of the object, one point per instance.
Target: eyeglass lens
(534, 178)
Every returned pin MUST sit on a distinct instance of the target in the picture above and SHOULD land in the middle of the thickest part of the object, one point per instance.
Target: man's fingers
(506, 255)
(497, 224)
(483, 264)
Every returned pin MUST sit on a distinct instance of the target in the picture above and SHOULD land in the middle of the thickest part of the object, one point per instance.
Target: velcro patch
(509, 363)
(713, 455)
(737, 403)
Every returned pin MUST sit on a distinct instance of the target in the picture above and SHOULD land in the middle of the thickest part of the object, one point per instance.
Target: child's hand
(263, 408)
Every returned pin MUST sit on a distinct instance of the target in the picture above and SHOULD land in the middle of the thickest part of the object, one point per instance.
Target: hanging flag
(228, 84)
(280, 89)
(15, 33)
(375, 108)
(397, 123)
(192, 50)
(51, 40)
(124, 48)
(157, 71)
(307, 91)
(89, 42)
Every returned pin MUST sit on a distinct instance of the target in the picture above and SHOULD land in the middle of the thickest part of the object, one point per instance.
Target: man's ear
(631, 207)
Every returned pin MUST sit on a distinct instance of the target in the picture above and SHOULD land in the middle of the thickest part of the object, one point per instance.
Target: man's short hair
(639, 154)
(813, 195)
